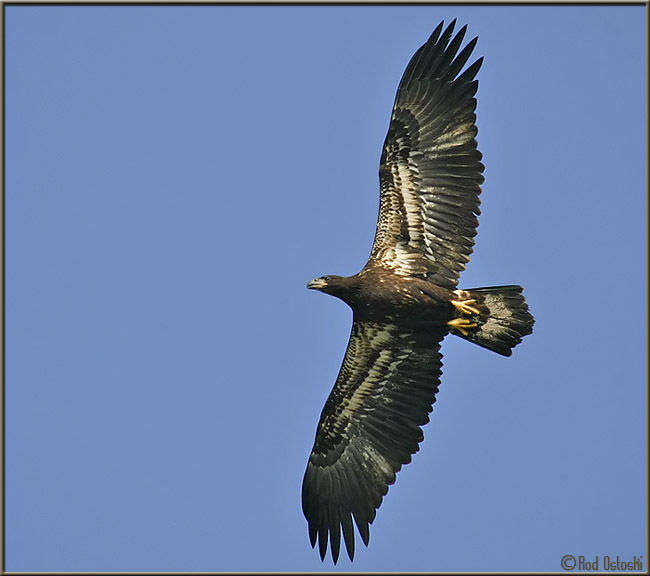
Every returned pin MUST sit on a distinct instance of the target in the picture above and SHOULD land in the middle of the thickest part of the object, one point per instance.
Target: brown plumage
(405, 299)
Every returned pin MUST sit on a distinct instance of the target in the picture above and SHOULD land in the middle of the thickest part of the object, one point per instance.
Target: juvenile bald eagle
(405, 300)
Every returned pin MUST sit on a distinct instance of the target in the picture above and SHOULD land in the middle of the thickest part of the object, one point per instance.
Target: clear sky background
(176, 175)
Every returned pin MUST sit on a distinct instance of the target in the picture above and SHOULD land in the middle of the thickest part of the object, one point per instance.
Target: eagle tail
(502, 321)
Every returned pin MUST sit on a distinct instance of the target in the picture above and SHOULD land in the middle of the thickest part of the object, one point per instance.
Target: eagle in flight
(406, 300)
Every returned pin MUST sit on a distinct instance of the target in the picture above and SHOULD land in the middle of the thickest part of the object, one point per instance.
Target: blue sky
(176, 175)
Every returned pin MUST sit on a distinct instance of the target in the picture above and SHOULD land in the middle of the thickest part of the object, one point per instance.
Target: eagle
(406, 300)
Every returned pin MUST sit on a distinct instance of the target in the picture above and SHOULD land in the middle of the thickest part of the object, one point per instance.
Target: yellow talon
(465, 308)
(462, 325)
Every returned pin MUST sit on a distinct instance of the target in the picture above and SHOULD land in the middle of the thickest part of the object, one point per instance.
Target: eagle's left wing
(368, 429)
(431, 171)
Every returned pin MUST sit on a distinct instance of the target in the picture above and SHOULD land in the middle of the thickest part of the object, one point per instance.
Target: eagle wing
(431, 171)
(368, 429)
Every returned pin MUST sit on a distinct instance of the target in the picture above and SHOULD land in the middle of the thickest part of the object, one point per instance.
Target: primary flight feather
(405, 300)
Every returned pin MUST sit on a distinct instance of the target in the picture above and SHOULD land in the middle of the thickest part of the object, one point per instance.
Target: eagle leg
(462, 325)
(464, 307)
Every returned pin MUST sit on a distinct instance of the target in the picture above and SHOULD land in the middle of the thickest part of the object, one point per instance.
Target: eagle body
(406, 300)
(380, 295)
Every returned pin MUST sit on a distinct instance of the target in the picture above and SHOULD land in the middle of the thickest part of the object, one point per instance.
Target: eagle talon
(462, 325)
(464, 307)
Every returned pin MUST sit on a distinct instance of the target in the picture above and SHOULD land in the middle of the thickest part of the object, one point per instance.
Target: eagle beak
(316, 284)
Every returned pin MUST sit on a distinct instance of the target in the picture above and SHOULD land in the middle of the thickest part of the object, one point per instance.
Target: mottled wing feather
(369, 428)
(431, 170)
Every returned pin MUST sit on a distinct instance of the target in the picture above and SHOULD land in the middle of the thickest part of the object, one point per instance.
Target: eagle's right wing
(368, 429)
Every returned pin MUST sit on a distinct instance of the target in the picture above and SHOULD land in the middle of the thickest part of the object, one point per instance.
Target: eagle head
(324, 283)
(343, 287)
